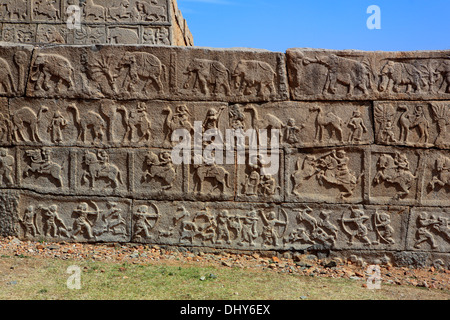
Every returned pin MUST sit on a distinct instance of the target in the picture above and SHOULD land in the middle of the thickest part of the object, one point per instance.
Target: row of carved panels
(87, 35)
(146, 72)
(246, 226)
(67, 122)
(179, 73)
(92, 11)
(367, 174)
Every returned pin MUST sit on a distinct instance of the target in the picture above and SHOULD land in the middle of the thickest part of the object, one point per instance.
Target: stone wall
(363, 162)
(155, 22)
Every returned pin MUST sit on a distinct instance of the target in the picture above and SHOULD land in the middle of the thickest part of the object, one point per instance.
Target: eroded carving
(41, 163)
(7, 163)
(160, 167)
(253, 74)
(50, 71)
(97, 166)
(26, 118)
(430, 226)
(395, 170)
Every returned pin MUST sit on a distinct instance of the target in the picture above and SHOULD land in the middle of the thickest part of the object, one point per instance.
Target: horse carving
(160, 167)
(98, 167)
(442, 178)
(41, 163)
(395, 170)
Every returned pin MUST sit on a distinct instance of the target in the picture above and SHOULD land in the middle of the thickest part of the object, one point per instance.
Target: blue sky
(331, 24)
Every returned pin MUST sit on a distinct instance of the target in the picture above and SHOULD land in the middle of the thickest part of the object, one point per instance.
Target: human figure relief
(358, 128)
(28, 222)
(180, 119)
(42, 164)
(6, 168)
(138, 125)
(360, 231)
(54, 226)
(270, 233)
(98, 167)
(160, 167)
(57, 124)
(417, 120)
(395, 170)
(84, 221)
(442, 179)
(145, 221)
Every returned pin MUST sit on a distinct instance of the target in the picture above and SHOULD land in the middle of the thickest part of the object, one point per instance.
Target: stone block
(436, 178)
(316, 74)
(395, 175)
(345, 227)
(331, 175)
(14, 62)
(412, 123)
(168, 73)
(9, 202)
(77, 219)
(429, 230)
(310, 124)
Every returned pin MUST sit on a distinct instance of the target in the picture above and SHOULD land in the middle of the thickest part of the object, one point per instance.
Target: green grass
(35, 279)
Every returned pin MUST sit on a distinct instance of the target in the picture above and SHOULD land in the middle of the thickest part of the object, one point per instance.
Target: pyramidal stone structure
(348, 151)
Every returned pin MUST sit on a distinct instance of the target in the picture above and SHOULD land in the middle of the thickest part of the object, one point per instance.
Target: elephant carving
(51, 68)
(253, 73)
(142, 69)
(401, 74)
(6, 78)
(350, 73)
(208, 73)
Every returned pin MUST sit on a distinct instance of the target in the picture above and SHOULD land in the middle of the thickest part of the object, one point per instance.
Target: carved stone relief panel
(156, 35)
(14, 10)
(395, 175)
(53, 34)
(45, 169)
(14, 61)
(5, 123)
(88, 34)
(123, 34)
(74, 219)
(415, 124)
(261, 176)
(429, 230)
(46, 10)
(219, 225)
(345, 227)
(156, 176)
(19, 33)
(102, 171)
(63, 122)
(304, 124)
(9, 202)
(158, 73)
(436, 178)
(210, 180)
(326, 175)
(358, 75)
(8, 167)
